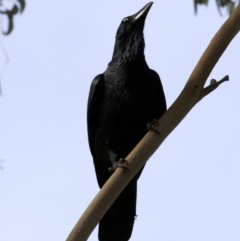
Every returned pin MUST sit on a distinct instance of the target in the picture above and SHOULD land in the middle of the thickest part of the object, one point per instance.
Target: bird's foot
(122, 163)
(153, 126)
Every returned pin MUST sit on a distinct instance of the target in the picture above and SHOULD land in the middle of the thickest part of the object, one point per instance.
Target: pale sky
(190, 188)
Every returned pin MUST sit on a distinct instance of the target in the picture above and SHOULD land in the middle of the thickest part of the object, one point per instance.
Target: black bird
(122, 101)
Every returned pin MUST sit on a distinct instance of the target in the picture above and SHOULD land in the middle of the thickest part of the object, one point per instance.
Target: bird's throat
(129, 50)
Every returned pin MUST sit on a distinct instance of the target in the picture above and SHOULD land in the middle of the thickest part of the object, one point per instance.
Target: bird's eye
(125, 20)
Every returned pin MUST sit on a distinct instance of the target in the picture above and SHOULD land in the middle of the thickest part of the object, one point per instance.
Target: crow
(122, 102)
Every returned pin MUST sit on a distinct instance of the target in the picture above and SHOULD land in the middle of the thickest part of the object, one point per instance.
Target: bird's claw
(153, 126)
(122, 163)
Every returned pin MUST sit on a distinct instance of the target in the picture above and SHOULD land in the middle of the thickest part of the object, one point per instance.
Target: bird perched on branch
(122, 102)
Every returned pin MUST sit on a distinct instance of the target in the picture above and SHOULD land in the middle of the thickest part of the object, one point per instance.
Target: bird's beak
(141, 15)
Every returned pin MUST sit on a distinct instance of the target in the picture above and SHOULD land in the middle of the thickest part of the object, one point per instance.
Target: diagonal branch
(192, 93)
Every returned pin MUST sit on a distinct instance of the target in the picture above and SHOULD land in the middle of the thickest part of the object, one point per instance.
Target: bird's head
(129, 44)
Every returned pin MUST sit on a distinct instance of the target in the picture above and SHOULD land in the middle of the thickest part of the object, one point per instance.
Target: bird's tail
(117, 223)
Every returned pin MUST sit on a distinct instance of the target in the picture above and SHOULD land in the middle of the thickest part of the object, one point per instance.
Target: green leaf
(10, 14)
(22, 4)
(196, 2)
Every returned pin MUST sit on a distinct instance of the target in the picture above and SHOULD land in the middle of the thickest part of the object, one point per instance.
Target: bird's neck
(129, 51)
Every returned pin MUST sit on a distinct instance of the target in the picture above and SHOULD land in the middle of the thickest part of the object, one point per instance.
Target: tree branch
(192, 93)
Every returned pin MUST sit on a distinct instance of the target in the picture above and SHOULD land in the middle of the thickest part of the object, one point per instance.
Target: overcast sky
(190, 188)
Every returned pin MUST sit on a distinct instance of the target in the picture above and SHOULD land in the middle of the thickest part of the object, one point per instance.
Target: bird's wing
(160, 93)
(95, 99)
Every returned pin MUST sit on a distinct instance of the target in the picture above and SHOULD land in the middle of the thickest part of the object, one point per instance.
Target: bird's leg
(121, 163)
(153, 126)
(113, 157)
